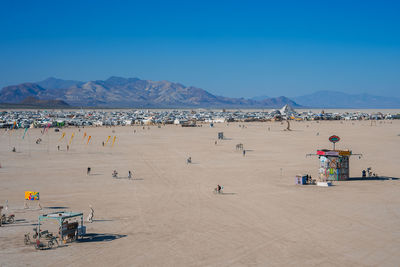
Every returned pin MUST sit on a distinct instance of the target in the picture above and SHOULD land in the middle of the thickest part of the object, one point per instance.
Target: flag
(26, 129)
(108, 139)
(72, 136)
(88, 140)
(113, 141)
(84, 136)
(62, 136)
(44, 129)
(48, 126)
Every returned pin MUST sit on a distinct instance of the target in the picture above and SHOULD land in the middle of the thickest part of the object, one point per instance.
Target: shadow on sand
(56, 208)
(19, 222)
(377, 178)
(293, 130)
(127, 178)
(100, 237)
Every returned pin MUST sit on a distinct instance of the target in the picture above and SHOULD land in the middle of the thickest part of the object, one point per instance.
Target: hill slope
(33, 101)
(131, 92)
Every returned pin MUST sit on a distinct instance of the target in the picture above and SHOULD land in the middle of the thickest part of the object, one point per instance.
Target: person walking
(88, 170)
(129, 175)
(244, 152)
(91, 214)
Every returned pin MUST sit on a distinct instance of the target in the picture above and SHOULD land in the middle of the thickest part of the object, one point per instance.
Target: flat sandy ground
(168, 214)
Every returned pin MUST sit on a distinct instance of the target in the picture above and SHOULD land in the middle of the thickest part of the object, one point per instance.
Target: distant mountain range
(332, 99)
(131, 93)
(120, 92)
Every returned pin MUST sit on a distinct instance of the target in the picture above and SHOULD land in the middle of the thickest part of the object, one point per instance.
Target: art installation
(31, 195)
(334, 164)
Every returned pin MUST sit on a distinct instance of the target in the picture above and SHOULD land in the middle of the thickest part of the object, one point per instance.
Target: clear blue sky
(230, 48)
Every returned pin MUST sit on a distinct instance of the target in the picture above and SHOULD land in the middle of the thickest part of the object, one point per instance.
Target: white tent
(287, 110)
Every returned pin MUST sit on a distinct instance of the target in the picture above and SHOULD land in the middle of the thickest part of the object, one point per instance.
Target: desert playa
(168, 214)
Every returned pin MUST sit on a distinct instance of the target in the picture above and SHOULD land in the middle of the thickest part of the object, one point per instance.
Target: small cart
(68, 231)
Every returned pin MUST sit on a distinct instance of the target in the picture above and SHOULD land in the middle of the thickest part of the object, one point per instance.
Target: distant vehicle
(7, 219)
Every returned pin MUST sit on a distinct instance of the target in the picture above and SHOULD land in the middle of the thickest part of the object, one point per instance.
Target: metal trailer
(61, 217)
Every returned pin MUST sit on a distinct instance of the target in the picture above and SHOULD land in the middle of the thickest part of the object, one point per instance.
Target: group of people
(114, 173)
(58, 147)
(370, 173)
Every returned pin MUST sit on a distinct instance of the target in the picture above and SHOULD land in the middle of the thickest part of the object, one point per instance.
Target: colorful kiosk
(334, 164)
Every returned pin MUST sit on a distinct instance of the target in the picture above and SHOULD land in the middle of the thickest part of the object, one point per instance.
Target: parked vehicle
(46, 243)
(42, 240)
(7, 219)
